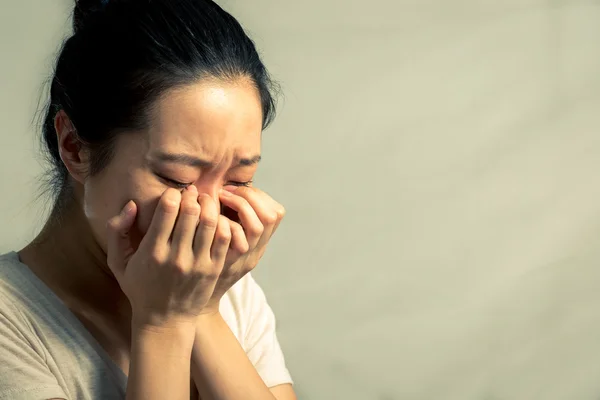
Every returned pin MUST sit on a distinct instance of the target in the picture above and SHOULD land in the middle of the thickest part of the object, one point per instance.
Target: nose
(210, 188)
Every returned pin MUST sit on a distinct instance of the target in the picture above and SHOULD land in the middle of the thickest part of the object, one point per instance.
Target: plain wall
(439, 161)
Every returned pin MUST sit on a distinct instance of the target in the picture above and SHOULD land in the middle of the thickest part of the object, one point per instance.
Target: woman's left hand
(259, 216)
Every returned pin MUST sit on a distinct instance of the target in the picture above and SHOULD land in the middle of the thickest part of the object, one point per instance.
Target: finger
(209, 220)
(270, 225)
(239, 243)
(221, 241)
(118, 243)
(268, 210)
(163, 220)
(277, 207)
(252, 225)
(280, 211)
(187, 220)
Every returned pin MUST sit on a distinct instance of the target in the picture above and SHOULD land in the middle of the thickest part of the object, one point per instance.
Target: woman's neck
(68, 259)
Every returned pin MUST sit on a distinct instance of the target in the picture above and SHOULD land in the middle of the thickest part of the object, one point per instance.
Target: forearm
(160, 363)
(220, 367)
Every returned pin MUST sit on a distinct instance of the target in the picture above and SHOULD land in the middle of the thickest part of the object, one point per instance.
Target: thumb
(118, 241)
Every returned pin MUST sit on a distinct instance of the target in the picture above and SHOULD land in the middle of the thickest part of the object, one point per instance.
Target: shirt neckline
(45, 291)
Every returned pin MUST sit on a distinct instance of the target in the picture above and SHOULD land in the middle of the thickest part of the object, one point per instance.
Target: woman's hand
(259, 216)
(172, 274)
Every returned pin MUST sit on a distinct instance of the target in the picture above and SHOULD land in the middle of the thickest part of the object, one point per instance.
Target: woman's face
(206, 134)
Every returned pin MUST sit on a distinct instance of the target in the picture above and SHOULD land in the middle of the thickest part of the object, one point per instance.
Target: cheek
(146, 208)
(146, 197)
(104, 199)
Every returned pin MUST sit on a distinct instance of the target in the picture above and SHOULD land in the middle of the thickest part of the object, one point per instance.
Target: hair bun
(83, 9)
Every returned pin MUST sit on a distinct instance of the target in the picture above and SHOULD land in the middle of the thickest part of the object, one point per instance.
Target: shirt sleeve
(261, 344)
(23, 371)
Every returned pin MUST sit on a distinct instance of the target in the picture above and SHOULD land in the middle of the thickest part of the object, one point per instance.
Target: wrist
(208, 319)
(208, 326)
(209, 331)
(180, 330)
(161, 324)
(173, 342)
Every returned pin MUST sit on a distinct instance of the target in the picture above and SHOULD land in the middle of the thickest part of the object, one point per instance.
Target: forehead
(212, 118)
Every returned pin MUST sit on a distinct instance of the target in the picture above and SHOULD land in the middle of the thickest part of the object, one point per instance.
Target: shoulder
(24, 369)
(20, 302)
(245, 308)
(246, 291)
(20, 289)
(15, 277)
(14, 285)
(9, 264)
(246, 300)
(256, 325)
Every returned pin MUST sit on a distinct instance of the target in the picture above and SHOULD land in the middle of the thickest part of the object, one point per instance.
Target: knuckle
(180, 265)
(271, 218)
(209, 216)
(223, 236)
(210, 271)
(280, 212)
(156, 257)
(190, 208)
(209, 221)
(206, 201)
(211, 275)
(223, 232)
(170, 201)
(256, 229)
(112, 225)
(242, 247)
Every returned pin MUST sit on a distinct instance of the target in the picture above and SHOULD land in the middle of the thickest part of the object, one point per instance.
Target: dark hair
(124, 54)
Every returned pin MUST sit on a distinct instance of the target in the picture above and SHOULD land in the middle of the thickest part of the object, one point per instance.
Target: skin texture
(115, 216)
(215, 122)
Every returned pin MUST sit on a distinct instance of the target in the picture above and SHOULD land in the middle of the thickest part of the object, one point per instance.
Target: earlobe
(70, 147)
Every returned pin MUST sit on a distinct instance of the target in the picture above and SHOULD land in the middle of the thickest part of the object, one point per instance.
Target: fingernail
(128, 207)
(226, 193)
(192, 188)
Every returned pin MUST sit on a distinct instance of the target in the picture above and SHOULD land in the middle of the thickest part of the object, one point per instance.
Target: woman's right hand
(171, 276)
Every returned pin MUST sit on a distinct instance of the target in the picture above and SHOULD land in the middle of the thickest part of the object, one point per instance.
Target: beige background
(440, 162)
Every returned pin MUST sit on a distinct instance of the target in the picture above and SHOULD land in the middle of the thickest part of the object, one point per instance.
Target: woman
(137, 287)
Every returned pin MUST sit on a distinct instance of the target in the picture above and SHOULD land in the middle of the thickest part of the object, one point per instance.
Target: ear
(71, 149)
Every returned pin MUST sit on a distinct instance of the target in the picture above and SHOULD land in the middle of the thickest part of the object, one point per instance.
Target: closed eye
(235, 183)
(183, 185)
(174, 183)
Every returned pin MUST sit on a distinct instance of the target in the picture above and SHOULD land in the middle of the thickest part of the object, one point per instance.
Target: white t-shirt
(46, 352)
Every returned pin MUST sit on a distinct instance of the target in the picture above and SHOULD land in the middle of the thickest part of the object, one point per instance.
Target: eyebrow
(186, 159)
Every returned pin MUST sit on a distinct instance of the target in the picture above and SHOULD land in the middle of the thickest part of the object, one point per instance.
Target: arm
(260, 353)
(220, 367)
(284, 392)
(152, 350)
(169, 278)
